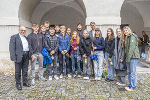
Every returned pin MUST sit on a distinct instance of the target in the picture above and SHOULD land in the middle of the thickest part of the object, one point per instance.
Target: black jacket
(85, 46)
(145, 39)
(36, 43)
(16, 48)
(109, 47)
(51, 43)
(80, 33)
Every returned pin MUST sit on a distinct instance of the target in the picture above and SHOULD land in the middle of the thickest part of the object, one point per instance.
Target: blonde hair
(124, 37)
(128, 28)
(77, 38)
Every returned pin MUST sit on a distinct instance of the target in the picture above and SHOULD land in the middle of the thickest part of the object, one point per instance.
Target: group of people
(144, 43)
(75, 54)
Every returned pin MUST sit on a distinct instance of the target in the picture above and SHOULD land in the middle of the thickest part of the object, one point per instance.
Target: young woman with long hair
(109, 54)
(132, 56)
(75, 57)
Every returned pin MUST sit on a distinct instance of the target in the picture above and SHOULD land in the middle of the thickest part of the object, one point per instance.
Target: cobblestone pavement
(76, 89)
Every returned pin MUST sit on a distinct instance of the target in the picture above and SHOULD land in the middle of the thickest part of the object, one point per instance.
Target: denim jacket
(64, 43)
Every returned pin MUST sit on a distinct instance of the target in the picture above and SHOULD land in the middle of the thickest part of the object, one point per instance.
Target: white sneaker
(86, 78)
(128, 89)
(61, 76)
(74, 75)
(69, 76)
(120, 84)
(56, 77)
(79, 76)
(50, 78)
(117, 83)
(33, 82)
(42, 79)
(98, 78)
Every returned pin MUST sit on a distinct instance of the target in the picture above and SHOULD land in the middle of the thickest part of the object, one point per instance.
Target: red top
(74, 45)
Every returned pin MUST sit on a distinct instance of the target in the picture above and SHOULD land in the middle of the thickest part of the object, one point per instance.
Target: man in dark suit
(19, 53)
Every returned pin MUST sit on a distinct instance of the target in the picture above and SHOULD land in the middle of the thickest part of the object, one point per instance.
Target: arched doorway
(68, 12)
(131, 16)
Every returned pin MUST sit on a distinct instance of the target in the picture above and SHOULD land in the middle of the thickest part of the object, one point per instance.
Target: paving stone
(71, 89)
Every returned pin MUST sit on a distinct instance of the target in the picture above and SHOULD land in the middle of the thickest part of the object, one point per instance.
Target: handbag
(122, 65)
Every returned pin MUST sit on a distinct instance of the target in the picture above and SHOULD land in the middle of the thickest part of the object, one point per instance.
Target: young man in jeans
(36, 45)
(51, 44)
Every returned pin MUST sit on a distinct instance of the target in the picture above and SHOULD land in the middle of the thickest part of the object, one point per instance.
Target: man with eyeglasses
(19, 53)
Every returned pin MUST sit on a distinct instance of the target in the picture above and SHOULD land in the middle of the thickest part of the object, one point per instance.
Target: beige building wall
(106, 14)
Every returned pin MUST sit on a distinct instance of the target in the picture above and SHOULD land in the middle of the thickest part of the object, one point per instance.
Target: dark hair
(51, 28)
(79, 24)
(92, 23)
(144, 32)
(100, 34)
(112, 34)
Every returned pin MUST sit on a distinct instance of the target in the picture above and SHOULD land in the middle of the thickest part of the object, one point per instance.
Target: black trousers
(64, 64)
(22, 66)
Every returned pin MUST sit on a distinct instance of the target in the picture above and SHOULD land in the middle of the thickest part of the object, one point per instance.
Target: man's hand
(32, 58)
(52, 52)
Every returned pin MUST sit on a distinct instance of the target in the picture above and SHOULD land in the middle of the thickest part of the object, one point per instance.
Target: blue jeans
(110, 68)
(143, 54)
(74, 61)
(98, 65)
(131, 70)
